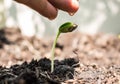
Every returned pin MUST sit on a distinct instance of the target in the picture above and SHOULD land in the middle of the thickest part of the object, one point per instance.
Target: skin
(49, 8)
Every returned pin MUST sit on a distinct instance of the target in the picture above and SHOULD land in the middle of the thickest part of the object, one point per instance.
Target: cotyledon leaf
(67, 27)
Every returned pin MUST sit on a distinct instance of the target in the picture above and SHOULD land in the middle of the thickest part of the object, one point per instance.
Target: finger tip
(51, 14)
(52, 17)
(74, 6)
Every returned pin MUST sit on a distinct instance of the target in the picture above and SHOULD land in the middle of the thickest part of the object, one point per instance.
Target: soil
(79, 58)
(38, 72)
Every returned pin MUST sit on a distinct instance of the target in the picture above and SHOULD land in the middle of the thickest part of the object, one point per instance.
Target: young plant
(64, 28)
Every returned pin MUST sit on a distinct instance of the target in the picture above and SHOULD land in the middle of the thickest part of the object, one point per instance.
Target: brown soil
(98, 57)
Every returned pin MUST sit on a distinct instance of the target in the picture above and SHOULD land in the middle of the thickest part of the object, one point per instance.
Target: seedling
(64, 28)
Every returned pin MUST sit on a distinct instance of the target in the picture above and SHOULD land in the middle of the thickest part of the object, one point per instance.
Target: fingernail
(75, 2)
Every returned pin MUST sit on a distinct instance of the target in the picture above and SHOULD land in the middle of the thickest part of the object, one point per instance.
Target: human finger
(41, 6)
(70, 6)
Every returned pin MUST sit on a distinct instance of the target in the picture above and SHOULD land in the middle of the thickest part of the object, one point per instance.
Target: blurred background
(92, 17)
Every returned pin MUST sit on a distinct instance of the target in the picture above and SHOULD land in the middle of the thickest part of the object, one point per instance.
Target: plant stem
(53, 51)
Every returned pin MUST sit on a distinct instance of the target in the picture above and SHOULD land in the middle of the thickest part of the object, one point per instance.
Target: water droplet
(71, 14)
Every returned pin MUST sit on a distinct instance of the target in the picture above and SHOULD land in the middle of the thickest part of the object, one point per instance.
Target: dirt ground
(79, 59)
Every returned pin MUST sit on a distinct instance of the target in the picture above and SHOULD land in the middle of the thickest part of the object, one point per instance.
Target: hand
(49, 8)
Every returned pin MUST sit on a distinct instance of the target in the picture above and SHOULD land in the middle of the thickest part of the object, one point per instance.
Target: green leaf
(67, 27)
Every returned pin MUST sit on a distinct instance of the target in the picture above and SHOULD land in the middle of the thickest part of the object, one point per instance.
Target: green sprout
(64, 28)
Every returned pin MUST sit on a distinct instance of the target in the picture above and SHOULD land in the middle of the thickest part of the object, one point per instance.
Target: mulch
(79, 58)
